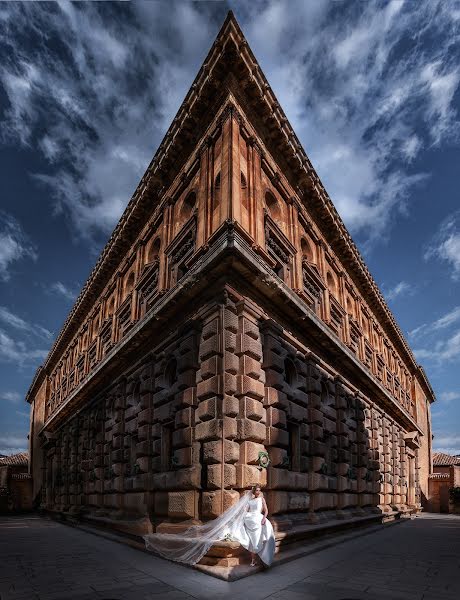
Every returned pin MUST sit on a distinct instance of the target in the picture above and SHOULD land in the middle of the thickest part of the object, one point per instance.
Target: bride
(245, 522)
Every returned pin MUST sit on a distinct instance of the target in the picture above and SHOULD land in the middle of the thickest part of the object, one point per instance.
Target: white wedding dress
(241, 522)
(255, 537)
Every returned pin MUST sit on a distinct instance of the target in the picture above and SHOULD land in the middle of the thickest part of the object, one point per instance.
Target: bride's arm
(264, 510)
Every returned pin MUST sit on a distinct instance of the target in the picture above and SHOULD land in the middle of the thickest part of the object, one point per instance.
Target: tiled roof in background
(22, 458)
(445, 460)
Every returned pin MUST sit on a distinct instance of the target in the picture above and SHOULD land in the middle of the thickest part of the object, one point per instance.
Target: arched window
(129, 285)
(274, 208)
(350, 307)
(187, 207)
(154, 251)
(331, 283)
(110, 307)
(244, 190)
(307, 250)
(290, 373)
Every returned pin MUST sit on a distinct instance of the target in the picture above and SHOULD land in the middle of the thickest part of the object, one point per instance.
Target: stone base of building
(295, 535)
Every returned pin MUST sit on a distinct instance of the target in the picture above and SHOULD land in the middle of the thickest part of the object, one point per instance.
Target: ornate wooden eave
(230, 64)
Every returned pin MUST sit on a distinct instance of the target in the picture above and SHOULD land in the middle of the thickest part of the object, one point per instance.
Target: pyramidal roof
(229, 66)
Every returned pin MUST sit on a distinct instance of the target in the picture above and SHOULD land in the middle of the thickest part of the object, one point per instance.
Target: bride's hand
(263, 520)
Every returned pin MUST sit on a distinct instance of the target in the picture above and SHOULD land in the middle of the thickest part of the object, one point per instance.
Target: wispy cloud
(442, 351)
(365, 109)
(11, 443)
(10, 396)
(400, 289)
(445, 246)
(23, 413)
(14, 245)
(449, 396)
(450, 318)
(19, 352)
(107, 96)
(61, 289)
(449, 443)
(17, 322)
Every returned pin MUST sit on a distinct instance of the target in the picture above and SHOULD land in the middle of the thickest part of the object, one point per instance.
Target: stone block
(298, 501)
(315, 416)
(215, 473)
(249, 452)
(276, 417)
(143, 448)
(248, 345)
(230, 341)
(183, 457)
(143, 432)
(206, 409)
(183, 505)
(277, 501)
(210, 367)
(209, 387)
(323, 501)
(247, 475)
(253, 409)
(230, 384)
(275, 397)
(278, 456)
(209, 430)
(183, 418)
(182, 438)
(317, 481)
(277, 437)
(231, 363)
(247, 386)
(214, 503)
(231, 406)
(251, 430)
(274, 379)
(252, 368)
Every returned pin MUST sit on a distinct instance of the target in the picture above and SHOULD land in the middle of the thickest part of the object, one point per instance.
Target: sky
(88, 90)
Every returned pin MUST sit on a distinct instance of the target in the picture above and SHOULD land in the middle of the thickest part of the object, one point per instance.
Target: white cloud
(366, 91)
(446, 244)
(449, 443)
(23, 413)
(14, 245)
(444, 350)
(10, 396)
(18, 352)
(16, 322)
(363, 107)
(11, 443)
(61, 289)
(400, 289)
(449, 396)
(450, 318)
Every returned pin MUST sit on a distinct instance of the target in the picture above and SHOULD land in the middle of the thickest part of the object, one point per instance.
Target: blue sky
(88, 90)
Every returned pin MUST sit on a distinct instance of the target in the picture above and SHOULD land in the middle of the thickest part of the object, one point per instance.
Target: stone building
(230, 333)
(15, 483)
(444, 484)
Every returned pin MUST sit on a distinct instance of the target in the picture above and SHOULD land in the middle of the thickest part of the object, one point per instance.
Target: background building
(230, 333)
(15, 483)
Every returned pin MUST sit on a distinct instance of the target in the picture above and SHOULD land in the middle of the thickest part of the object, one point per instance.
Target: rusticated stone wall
(181, 433)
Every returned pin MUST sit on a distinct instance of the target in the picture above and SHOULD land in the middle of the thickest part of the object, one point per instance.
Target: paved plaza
(44, 560)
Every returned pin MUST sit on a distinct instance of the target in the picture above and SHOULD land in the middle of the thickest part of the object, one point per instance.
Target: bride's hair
(254, 487)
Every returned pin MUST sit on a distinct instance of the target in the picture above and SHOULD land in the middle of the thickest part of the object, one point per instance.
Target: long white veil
(193, 543)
